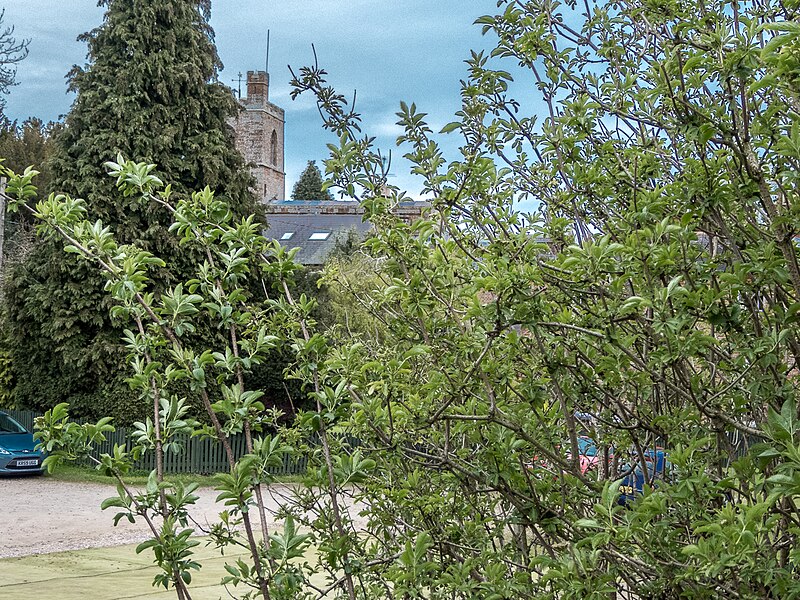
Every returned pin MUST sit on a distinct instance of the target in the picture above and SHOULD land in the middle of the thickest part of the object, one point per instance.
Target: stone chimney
(257, 88)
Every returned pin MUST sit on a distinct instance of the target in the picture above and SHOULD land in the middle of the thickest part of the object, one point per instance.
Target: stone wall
(408, 211)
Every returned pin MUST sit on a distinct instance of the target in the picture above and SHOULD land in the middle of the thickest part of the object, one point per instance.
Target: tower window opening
(274, 148)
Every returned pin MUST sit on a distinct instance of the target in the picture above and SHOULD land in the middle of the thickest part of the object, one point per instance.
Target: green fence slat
(199, 455)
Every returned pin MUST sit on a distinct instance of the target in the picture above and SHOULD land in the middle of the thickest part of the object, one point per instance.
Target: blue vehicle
(633, 484)
(656, 462)
(18, 452)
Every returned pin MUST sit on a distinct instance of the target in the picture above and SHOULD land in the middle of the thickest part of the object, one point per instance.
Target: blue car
(18, 452)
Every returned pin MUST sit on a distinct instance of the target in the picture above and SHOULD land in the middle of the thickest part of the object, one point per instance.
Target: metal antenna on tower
(239, 89)
(266, 66)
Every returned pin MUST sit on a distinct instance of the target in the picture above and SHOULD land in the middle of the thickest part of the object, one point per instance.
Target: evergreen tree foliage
(309, 186)
(149, 91)
(23, 145)
(29, 144)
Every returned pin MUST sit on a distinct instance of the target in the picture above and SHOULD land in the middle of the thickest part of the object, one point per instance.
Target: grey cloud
(410, 50)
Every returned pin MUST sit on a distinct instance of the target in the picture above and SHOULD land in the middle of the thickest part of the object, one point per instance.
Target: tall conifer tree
(149, 91)
(309, 186)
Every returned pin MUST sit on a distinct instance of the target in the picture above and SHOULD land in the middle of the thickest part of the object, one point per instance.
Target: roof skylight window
(320, 236)
(288, 235)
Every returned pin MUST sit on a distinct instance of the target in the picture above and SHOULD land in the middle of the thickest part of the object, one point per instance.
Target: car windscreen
(9, 425)
(587, 446)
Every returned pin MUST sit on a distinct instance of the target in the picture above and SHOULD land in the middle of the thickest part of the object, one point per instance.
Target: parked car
(634, 480)
(18, 452)
(657, 464)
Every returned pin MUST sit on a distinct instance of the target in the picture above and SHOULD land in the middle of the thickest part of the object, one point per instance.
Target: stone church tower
(259, 137)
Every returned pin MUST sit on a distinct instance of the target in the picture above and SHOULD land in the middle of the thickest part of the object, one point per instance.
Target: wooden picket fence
(199, 455)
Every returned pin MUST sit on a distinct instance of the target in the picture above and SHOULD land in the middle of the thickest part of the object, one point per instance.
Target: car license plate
(28, 463)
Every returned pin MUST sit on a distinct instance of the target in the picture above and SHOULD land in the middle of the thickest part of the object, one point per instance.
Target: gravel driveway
(39, 515)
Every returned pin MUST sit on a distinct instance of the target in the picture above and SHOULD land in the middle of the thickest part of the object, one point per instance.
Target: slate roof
(313, 252)
(295, 222)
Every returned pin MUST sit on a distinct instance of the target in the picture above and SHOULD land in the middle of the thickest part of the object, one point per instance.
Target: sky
(387, 51)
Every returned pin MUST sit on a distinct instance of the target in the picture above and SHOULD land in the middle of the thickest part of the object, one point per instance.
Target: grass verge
(87, 474)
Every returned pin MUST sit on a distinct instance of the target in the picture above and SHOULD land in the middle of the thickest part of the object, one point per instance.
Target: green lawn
(82, 473)
(103, 574)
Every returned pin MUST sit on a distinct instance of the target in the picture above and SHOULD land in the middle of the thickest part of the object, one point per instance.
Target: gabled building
(316, 226)
(313, 226)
